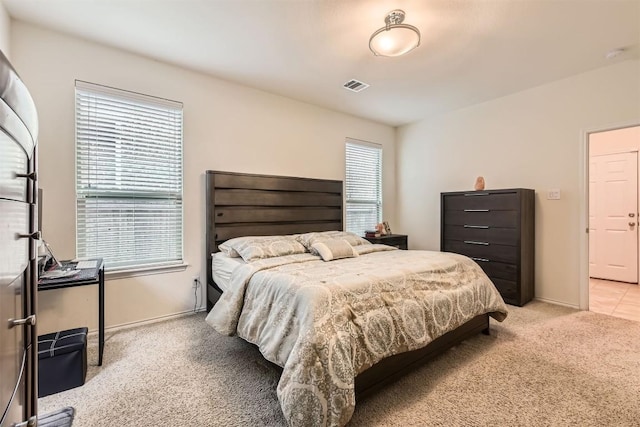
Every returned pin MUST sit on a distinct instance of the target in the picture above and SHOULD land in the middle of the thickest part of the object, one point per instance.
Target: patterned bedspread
(325, 322)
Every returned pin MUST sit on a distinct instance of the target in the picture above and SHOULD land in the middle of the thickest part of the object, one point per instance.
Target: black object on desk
(85, 276)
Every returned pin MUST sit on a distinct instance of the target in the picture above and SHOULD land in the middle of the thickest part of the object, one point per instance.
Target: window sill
(144, 271)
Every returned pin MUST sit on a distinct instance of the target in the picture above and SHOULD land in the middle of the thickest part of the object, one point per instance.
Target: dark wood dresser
(397, 240)
(18, 265)
(496, 229)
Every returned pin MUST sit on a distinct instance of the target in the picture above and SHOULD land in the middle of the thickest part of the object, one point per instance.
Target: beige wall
(226, 127)
(5, 31)
(533, 139)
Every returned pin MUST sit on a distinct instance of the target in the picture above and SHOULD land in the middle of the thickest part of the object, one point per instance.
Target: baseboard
(564, 304)
(128, 325)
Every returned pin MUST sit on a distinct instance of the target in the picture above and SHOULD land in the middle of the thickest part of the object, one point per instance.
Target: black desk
(87, 276)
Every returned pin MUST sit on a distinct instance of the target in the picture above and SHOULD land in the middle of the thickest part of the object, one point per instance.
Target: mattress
(221, 268)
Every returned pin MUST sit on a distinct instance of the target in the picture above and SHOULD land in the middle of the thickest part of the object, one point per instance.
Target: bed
(321, 375)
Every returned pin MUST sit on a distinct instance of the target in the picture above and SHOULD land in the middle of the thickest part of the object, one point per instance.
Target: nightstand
(397, 240)
(87, 276)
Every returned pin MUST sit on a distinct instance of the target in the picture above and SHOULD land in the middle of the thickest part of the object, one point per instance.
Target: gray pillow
(308, 239)
(257, 247)
(334, 249)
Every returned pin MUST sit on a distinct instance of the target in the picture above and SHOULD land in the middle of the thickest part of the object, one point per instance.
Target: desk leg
(101, 316)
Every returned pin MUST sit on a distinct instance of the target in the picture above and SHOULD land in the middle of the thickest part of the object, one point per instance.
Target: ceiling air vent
(355, 85)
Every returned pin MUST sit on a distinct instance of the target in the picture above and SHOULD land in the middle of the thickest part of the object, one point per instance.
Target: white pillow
(257, 247)
(228, 251)
(308, 239)
(334, 249)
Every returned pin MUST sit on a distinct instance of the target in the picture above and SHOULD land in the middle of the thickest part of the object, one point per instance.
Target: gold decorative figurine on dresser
(495, 228)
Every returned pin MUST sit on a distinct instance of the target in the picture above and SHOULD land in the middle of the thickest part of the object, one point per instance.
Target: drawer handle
(32, 175)
(476, 194)
(480, 259)
(476, 226)
(35, 235)
(473, 242)
(31, 422)
(30, 320)
(476, 210)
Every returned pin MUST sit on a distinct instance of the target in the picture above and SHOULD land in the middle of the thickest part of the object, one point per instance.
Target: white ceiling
(471, 51)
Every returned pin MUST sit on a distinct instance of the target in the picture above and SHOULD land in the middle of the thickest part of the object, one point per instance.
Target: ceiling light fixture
(395, 38)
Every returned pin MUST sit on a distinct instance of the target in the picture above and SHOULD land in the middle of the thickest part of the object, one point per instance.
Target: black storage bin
(62, 361)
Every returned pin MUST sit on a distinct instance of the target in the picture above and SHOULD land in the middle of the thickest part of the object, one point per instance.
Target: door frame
(584, 207)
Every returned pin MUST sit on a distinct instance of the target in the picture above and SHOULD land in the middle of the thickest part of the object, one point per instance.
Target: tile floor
(617, 299)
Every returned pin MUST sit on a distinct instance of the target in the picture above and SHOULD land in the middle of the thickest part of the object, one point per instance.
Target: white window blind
(128, 177)
(363, 186)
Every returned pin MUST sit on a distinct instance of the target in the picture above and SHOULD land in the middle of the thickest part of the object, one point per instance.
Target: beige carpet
(544, 366)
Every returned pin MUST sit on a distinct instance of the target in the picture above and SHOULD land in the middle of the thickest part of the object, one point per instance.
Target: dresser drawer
(480, 200)
(12, 372)
(15, 127)
(15, 410)
(504, 219)
(482, 233)
(396, 240)
(498, 270)
(12, 161)
(508, 289)
(14, 251)
(470, 248)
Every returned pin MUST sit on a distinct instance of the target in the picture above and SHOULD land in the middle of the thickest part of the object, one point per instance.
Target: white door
(613, 217)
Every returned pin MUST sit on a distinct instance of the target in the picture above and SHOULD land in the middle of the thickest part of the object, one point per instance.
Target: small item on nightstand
(479, 183)
(380, 231)
(387, 229)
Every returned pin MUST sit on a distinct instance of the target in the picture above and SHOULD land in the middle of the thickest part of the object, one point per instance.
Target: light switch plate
(553, 194)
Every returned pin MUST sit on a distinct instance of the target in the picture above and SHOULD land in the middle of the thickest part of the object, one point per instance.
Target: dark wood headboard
(239, 204)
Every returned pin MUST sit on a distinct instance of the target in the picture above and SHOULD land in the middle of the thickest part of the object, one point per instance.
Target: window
(363, 186)
(128, 178)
